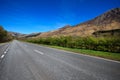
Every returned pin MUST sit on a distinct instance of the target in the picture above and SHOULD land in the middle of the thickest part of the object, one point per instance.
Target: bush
(93, 43)
(4, 35)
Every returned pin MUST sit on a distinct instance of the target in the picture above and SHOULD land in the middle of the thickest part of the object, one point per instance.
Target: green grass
(108, 55)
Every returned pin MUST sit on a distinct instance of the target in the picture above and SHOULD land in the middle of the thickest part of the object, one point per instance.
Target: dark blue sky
(28, 16)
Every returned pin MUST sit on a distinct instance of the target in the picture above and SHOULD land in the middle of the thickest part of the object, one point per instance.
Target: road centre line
(6, 50)
(2, 56)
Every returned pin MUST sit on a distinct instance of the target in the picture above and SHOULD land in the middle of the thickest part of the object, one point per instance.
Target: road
(26, 61)
(3, 47)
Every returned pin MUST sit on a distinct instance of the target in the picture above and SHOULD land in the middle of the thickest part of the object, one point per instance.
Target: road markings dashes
(5, 53)
(39, 52)
(2, 56)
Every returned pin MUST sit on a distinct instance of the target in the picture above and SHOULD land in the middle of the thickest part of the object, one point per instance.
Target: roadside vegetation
(105, 47)
(92, 43)
(4, 35)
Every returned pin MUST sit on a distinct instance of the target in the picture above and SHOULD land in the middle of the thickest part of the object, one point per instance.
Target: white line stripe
(39, 52)
(78, 53)
(5, 52)
(98, 58)
(7, 49)
(87, 55)
(2, 56)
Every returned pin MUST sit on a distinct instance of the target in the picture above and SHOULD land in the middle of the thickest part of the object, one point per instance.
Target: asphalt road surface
(26, 61)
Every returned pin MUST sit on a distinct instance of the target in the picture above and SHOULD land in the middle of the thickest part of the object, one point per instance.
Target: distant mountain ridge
(32, 35)
(109, 20)
(20, 35)
(106, 23)
(105, 18)
(16, 34)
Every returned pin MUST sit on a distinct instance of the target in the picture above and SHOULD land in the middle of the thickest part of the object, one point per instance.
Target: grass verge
(107, 55)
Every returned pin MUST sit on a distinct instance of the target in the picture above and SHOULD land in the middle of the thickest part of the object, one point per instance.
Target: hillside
(114, 32)
(16, 34)
(20, 35)
(32, 35)
(109, 20)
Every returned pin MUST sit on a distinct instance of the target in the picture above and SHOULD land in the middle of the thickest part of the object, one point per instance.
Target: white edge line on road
(80, 54)
(39, 52)
(87, 55)
(99, 58)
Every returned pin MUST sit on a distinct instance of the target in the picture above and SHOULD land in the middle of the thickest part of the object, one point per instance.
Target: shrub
(93, 43)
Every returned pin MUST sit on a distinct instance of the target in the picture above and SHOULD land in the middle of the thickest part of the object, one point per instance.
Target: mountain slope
(20, 35)
(32, 35)
(16, 34)
(110, 20)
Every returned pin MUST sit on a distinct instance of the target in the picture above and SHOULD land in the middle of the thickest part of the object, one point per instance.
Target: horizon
(24, 16)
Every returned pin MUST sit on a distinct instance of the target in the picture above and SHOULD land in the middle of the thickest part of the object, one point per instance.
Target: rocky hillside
(109, 20)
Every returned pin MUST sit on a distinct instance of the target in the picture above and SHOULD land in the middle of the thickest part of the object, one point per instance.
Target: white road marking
(2, 56)
(79, 54)
(39, 52)
(5, 52)
(87, 55)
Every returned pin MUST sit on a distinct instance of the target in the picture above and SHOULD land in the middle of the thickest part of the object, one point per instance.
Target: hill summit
(109, 20)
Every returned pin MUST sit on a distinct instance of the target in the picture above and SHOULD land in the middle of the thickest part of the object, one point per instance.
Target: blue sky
(28, 16)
